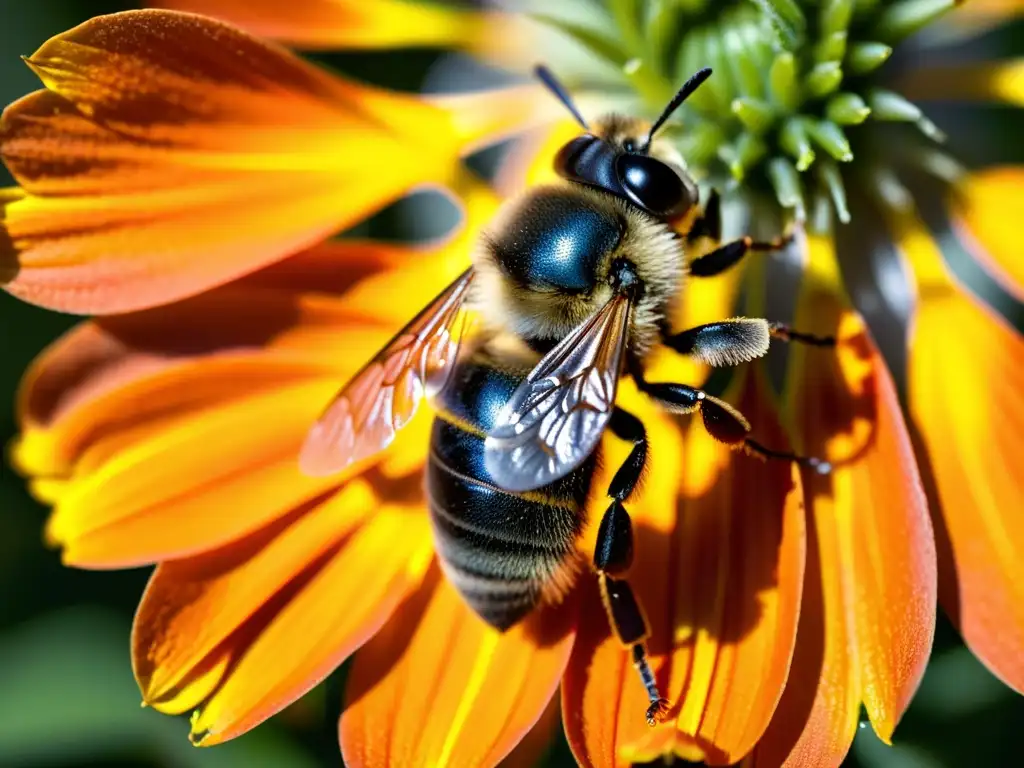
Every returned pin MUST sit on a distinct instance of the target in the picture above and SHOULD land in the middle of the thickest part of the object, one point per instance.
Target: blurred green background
(67, 697)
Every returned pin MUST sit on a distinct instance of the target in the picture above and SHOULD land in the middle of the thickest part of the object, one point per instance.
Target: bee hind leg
(737, 340)
(613, 554)
(722, 421)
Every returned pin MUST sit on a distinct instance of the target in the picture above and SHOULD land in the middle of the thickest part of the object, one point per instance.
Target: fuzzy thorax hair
(532, 313)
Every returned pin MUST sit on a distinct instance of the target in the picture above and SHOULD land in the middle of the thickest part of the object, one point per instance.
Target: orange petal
(869, 612)
(537, 742)
(603, 700)
(149, 176)
(719, 569)
(120, 373)
(1000, 81)
(966, 373)
(134, 426)
(192, 606)
(346, 23)
(438, 687)
(332, 607)
(741, 562)
(986, 210)
(200, 482)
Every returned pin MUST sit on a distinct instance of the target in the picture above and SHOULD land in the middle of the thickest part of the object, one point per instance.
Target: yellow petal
(346, 23)
(987, 207)
(965, 376)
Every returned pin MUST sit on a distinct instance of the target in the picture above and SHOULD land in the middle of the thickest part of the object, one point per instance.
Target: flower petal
(333, 606)
(132, 425)
(720, 576)
(193, 485)
(192, 606)
(603, 700)
(987, 208)
(869, 613)
(150, 174)
(538, 741)
(966, 373)
(438, 687)
(125, 372)
(346, 23)
(1000, 81)
(741, 561)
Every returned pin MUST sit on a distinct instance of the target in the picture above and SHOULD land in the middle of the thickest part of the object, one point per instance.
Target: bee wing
(555, 418)
(367, 413)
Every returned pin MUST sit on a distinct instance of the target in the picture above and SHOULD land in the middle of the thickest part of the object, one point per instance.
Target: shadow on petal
(869, 605)
(438, 687)
(333, 604)
(719, 568)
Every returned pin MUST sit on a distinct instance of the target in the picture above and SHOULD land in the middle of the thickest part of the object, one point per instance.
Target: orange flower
(179, 179)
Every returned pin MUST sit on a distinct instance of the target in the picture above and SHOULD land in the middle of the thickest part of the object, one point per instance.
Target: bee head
(621, 158)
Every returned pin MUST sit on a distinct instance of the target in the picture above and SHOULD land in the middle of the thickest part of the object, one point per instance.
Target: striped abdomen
(503, 551)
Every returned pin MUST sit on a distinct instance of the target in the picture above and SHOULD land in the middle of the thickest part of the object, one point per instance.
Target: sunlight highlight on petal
(345, 23)
(740, 563)
(720, 577)
(987, 209)
(966, 373)
(436, 686)
(150, 176)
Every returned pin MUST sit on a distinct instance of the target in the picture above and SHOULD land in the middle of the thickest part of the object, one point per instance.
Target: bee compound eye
(652, 185)
(571, 158)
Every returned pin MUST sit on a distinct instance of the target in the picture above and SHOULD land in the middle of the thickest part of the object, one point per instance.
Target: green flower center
(796, 97)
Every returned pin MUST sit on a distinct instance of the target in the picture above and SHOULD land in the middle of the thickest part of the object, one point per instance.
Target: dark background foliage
(67, 697)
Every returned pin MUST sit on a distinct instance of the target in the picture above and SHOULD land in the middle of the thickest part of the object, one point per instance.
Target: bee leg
(729, 342)
(725, 256)
(709, 223)
(783, 332)
(735, 341)
(721, 420)
(613, 554)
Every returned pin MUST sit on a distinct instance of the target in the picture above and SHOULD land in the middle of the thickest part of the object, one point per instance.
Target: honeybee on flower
(179, 178)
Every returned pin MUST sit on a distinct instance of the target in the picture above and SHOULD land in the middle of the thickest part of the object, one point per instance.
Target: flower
(185, 200)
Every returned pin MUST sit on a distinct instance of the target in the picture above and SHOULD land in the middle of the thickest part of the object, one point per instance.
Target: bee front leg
(705, 237)
(613, 554)
(728, 255)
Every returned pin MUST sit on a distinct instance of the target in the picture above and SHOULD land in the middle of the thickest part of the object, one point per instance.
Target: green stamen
(792, 113)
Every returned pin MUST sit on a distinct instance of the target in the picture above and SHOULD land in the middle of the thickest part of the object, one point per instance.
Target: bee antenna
(547, 77)
(682, 95)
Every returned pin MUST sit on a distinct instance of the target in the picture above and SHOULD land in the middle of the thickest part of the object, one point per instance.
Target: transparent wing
(368, 412)
(555, 418)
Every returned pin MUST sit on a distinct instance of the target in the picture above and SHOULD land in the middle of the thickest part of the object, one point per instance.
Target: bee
(574, 283)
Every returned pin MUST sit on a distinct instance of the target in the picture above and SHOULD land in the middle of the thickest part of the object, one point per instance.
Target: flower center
(798, 91)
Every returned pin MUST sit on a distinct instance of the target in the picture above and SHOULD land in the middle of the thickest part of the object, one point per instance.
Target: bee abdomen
(502, 551)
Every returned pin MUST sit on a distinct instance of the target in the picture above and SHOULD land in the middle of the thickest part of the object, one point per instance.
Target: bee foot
(658, 712)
